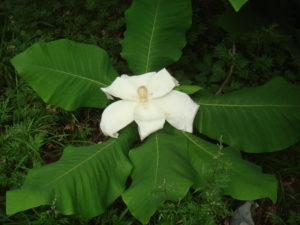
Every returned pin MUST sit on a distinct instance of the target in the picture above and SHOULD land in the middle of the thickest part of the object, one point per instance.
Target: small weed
(206, 206)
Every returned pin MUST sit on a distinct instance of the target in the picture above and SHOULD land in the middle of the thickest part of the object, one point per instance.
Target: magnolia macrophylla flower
(149, 100)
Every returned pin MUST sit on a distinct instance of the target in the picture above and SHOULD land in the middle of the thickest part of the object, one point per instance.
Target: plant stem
(230, 71)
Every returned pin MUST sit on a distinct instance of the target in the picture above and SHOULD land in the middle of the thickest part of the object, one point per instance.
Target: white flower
(149, 100)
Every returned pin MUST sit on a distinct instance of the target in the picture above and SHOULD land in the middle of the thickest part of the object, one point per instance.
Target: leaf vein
(151, 36)
(78, 165)
(78, 76)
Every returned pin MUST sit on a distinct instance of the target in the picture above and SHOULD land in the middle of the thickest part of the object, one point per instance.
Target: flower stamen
(143, 94)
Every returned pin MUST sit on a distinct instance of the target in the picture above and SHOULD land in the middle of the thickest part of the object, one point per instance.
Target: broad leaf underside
(66, 74)
(262, 119)
(155, 33)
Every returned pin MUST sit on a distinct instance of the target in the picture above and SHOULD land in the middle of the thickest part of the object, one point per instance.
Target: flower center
(143, 94)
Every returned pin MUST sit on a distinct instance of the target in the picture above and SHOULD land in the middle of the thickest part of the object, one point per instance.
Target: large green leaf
(66, 73)
(244, 180)
(84, 181)
(155, 33)
(161, 172)
(262, 119)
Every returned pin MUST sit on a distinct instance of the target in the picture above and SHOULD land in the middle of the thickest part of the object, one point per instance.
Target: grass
(33, 133)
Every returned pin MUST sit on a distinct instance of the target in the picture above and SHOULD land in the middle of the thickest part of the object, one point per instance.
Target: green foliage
(206, 207)
(66, 74)
(240, 175)
(237, 4)
(251, 53)
(264, 119)
(32, 133)
(157, 179)
(189, 89)
(24, 23)
(25, 127)
(194, 161)
(99, 172)
(149, 43)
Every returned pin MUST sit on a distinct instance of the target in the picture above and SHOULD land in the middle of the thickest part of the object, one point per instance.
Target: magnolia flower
(149, 100)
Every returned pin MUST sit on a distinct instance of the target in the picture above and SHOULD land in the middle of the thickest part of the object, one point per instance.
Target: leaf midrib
(197, 144)
(207, 152)
(77, 76)
(151, 37)
(80, 164)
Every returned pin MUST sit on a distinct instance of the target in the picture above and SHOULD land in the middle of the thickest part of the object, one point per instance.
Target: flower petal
(117, 116)
(122, 88)
(139, 80)
(148, 127)
(147, 112)
(149, 118)
(161, 84)
(180, 110)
